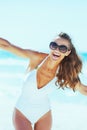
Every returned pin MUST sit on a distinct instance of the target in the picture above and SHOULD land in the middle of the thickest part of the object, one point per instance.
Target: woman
(61, 67)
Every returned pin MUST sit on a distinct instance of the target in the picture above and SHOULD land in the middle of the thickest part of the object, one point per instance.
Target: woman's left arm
(81, 88)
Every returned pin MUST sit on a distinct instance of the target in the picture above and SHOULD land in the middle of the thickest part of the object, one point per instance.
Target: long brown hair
(70, 67)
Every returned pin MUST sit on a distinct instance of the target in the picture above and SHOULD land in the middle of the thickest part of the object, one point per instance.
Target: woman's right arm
(34, 56)
(25, 53)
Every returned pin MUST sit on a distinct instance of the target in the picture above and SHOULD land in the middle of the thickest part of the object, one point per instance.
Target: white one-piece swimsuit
(34, 102)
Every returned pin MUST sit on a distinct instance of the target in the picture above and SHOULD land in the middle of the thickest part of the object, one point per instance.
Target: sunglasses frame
(59, 47)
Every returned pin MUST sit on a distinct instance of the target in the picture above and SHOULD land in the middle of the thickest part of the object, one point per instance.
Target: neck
(50, 65)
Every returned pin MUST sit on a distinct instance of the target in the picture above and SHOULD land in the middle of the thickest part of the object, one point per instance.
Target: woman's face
(59, 49)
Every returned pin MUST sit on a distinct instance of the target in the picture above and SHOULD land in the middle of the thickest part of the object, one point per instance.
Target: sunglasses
(62, 48)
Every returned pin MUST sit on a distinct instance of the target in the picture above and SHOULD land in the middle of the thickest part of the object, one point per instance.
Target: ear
(68, 52)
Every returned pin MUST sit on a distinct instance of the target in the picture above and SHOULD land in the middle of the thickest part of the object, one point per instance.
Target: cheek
(51, 51)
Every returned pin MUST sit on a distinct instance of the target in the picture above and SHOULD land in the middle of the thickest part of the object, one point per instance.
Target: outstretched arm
(34, 56)
(25, 53)
(81, 88)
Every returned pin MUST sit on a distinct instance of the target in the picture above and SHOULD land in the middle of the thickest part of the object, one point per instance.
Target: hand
(82, 89)
(4, 43)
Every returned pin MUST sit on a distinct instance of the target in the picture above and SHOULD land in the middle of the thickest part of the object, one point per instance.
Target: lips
(55, 56)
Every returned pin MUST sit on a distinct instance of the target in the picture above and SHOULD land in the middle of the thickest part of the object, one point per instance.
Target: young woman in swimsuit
(58, 69)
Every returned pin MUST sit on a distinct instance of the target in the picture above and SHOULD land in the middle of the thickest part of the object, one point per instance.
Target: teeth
(56, 54)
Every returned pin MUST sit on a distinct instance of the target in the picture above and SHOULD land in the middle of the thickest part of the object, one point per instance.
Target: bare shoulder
(36, 58)
(32, 54)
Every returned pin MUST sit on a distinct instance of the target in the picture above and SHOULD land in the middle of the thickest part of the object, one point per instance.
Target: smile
(55, 56)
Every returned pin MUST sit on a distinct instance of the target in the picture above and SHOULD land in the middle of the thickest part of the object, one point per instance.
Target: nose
(57, 48)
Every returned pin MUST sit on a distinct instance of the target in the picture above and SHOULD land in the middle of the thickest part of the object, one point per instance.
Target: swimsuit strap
(42, 61)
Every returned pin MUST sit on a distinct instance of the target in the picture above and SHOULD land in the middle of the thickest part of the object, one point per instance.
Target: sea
(69, 109)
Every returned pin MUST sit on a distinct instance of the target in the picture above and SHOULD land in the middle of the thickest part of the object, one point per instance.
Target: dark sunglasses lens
(53, 45)
(63, 48)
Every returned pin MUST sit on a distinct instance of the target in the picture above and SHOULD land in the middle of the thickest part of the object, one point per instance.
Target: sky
(34, 23)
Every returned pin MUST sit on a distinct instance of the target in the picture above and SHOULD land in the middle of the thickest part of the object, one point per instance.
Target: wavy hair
(69, 67)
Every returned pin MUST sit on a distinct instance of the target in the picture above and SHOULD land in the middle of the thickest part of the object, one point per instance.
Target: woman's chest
(43, 78)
